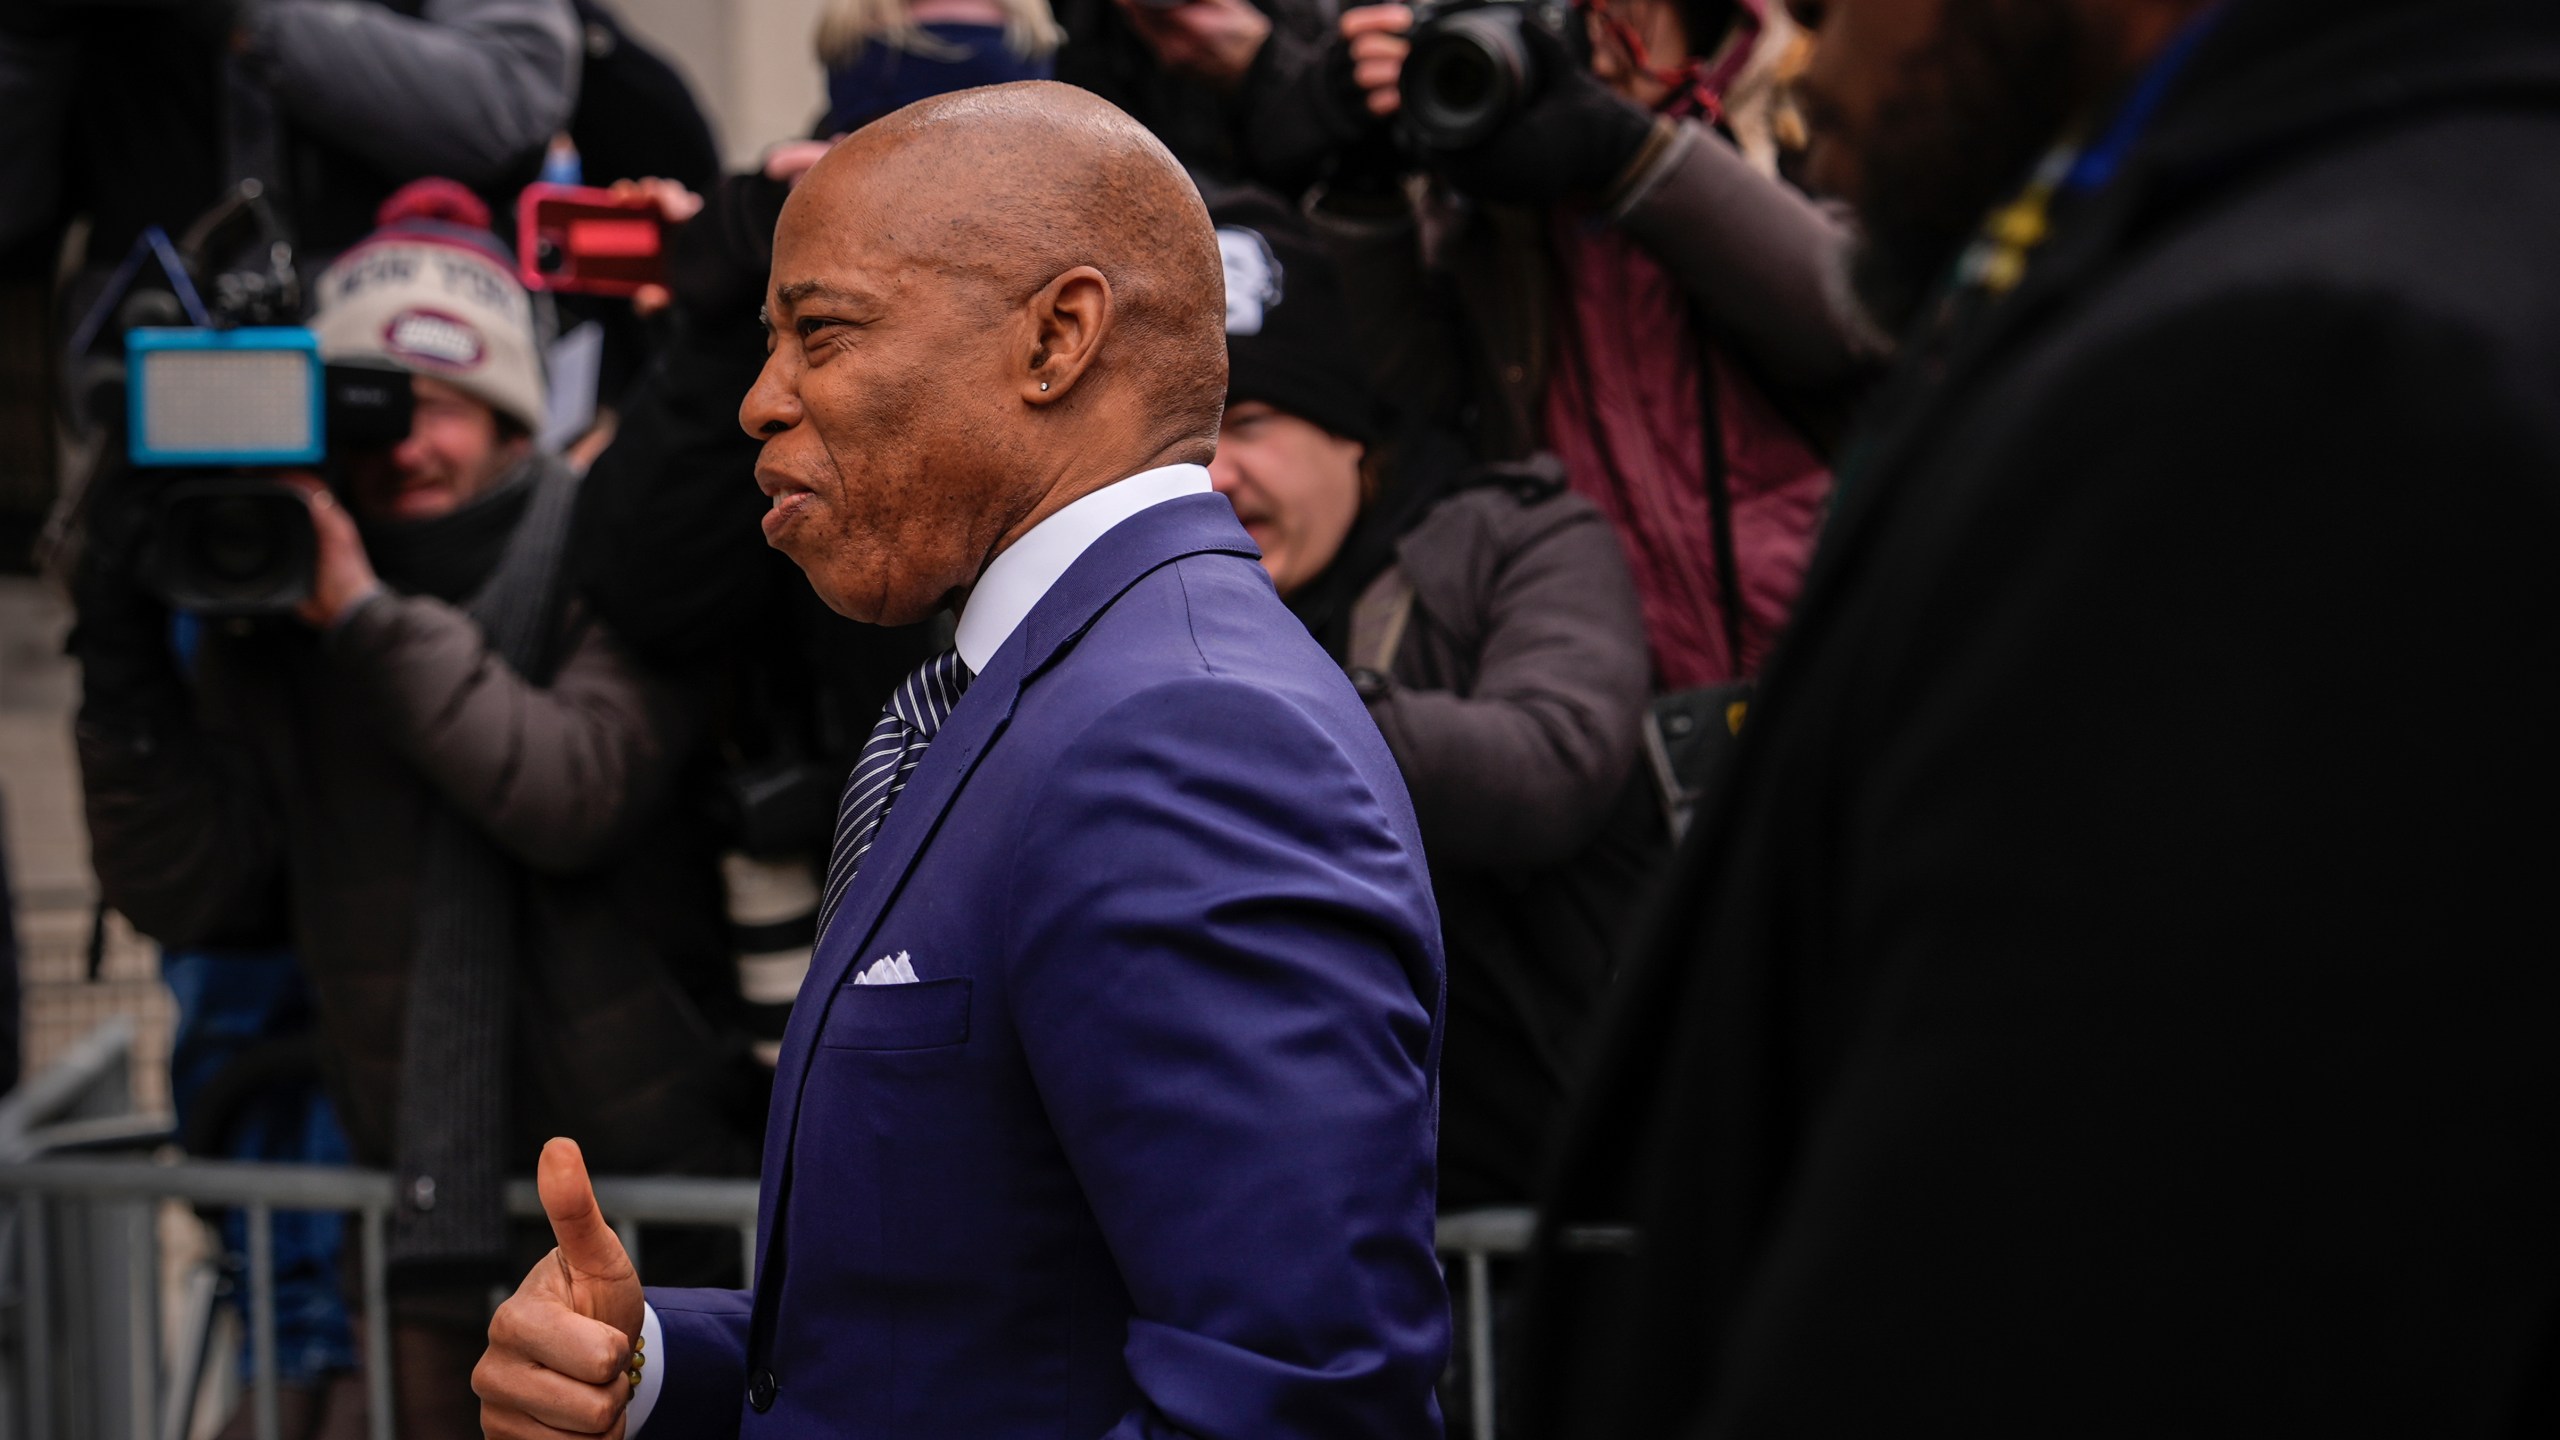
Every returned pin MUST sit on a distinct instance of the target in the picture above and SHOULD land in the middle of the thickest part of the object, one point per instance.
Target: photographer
(1486, 616)
(1603, 275)
(448, 781)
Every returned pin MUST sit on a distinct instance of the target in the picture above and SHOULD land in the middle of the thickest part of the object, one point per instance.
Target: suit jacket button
(760, 1391)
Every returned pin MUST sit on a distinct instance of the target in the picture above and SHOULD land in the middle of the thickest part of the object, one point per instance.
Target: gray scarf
(451, 1128)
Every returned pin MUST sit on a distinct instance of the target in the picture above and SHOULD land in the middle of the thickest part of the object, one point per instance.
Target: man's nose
(773, 402)
(411, 455)
(1223, 477)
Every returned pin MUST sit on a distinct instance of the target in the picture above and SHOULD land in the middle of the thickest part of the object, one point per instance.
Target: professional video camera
(216, 405)
(1472, 64)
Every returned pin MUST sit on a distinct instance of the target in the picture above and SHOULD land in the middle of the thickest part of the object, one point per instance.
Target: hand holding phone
(582, 241)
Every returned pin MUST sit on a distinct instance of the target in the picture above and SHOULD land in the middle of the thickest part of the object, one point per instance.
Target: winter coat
(1464, 306)
(298, 789)
(1513, 687)
(2112, 994)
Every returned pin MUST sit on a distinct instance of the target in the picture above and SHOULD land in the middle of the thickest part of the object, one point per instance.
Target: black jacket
(2115, 995)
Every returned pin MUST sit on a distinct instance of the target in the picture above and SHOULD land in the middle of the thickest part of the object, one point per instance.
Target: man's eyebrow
(799, 290)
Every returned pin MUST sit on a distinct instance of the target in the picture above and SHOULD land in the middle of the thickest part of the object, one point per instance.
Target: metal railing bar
(32, 1224)
(195, 1354)
(653, 1199)
(1503, 1231)
(1480, 1341)
(375, 1260)
(109, 1132)
(656, 1199)
(142, 1320)
(262, 1317)
(232, 1183)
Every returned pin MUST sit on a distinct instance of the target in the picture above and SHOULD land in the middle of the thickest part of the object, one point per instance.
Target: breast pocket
(925, 1015)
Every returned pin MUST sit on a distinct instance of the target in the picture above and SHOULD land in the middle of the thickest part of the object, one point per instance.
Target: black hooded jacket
(2115, 994)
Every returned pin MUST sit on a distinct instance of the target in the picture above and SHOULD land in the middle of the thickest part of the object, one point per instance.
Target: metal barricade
(58, 1195)
(50, 1192)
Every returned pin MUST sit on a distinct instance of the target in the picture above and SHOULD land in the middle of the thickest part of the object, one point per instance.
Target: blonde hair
(846, 26)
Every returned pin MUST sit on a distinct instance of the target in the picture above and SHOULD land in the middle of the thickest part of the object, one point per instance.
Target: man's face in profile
(879, 403)
(1926, 113)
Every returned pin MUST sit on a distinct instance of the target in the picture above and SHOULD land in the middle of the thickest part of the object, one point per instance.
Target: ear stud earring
(1044, 384)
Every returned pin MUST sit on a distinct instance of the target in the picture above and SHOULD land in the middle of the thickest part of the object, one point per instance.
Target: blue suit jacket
(1148, 1150)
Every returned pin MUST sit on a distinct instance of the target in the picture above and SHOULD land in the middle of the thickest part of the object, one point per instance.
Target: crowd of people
(2077, 912)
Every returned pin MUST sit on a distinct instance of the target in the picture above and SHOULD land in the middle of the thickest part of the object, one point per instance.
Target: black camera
(1472, 65)
(216, 390)
(219, 412)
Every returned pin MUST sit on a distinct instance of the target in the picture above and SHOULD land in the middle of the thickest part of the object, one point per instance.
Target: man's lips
(789, 498)
(776, 485)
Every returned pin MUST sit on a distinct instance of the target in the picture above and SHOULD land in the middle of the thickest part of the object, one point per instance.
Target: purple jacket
(1147, 1149)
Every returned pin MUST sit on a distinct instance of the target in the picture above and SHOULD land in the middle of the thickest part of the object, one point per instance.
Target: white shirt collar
(1016, 579)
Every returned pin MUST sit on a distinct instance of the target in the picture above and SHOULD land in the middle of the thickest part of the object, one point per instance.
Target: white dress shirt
(1017, 578)
(1013, 584)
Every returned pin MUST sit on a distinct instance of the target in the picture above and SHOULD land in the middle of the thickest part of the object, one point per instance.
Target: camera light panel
(225, 397)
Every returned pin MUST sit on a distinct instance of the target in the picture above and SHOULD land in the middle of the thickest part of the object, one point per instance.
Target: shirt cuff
(653, 1371)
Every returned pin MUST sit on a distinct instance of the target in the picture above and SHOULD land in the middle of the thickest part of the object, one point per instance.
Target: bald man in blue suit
(1107, 1108)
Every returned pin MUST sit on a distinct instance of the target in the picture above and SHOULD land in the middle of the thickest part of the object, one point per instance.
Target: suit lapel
(1152, 538)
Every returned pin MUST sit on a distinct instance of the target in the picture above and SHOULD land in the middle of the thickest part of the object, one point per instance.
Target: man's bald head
(983, 307)
(1014, 185)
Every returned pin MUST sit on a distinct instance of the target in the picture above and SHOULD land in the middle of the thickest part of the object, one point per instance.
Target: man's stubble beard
(1977, 108)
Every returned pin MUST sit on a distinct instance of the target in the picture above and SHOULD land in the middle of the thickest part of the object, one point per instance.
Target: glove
(1571, 141)
(1302, 120)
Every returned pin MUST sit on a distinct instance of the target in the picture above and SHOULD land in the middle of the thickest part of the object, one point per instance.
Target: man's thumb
(586, 1242)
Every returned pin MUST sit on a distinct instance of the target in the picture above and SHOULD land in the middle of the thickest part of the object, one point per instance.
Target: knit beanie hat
(1289, 342)
(432, 292)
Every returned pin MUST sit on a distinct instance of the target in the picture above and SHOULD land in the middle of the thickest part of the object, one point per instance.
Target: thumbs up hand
(560, 1349)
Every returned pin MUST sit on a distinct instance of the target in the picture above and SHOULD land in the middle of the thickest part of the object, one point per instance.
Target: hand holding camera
(1211, 40)
(341, 572)
(1497, 95)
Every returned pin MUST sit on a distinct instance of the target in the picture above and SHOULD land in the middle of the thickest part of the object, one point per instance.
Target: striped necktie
(913, 717)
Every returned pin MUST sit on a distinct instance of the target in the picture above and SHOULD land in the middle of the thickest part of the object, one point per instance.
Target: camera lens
(236, 543)
(548, 256)
(1465, 73)
(233, 546)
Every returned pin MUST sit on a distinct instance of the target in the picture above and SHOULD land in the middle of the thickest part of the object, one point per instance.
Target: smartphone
(583, 241)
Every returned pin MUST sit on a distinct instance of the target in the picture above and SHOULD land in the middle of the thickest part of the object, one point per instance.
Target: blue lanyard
(2097, 165)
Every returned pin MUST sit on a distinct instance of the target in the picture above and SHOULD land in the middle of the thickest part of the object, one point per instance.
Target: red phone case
(583, 241)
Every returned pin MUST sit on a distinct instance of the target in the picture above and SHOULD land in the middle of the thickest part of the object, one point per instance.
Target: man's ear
(1069, 319)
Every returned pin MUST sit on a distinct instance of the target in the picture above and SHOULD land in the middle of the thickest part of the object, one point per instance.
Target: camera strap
(152, 243)
(1728, 560)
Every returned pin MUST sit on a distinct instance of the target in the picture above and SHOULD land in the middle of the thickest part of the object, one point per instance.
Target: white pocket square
(888, 970)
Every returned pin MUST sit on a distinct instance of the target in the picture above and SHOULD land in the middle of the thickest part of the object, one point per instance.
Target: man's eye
(809, 325)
